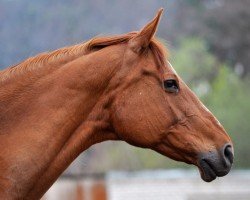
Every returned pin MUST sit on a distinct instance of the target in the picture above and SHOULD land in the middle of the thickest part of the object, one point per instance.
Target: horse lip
(207, 173)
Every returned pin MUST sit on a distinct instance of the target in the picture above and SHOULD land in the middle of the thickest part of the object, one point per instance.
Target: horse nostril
(216, 163)
(228, 154)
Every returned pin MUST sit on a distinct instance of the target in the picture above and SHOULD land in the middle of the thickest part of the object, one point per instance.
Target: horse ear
(143, 37)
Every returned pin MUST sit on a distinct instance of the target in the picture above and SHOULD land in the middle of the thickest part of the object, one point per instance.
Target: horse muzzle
(214, 164)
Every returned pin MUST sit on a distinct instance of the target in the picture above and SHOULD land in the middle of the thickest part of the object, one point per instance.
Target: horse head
(155, 109)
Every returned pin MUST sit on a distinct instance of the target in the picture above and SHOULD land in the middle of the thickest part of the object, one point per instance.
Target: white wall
(156, 185)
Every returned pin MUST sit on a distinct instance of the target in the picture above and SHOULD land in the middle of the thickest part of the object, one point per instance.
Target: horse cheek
(128, 124)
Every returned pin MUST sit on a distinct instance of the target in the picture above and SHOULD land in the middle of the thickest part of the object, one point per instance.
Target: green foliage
(225, 94)
(229, 101)
(193, 61)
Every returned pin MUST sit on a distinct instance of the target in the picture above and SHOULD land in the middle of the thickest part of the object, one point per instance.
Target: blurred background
(209, 43)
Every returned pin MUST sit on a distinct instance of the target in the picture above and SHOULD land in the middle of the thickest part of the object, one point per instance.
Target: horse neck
(51, 121)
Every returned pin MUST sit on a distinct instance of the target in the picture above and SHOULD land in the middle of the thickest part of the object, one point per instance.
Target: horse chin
(207, 173)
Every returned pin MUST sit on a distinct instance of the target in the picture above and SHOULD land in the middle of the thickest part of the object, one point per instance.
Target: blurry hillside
(209, 41)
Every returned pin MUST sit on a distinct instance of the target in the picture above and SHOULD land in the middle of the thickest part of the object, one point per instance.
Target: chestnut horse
(56, 105)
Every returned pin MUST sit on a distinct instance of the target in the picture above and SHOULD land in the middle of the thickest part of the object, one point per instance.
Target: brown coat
(56, 105)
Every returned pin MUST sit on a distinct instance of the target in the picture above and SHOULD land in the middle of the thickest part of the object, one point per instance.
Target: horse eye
(171, 85)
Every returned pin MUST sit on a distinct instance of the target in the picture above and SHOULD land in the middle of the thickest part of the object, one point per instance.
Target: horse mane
(67, 54)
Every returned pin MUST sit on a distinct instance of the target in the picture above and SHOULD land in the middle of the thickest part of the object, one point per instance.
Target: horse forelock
(66, 54)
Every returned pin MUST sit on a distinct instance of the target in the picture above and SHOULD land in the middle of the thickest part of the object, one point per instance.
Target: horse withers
(56, 105)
